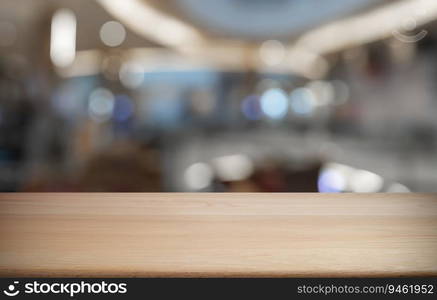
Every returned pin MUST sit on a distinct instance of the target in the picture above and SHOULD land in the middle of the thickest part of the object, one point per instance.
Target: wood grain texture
(152, 235)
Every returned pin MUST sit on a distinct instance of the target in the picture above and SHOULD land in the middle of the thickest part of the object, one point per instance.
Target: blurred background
(218, 96)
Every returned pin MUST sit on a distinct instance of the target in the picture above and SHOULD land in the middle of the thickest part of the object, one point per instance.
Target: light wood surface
(218, 235)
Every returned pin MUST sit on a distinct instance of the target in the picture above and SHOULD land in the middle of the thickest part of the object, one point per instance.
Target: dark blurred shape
(122, 169)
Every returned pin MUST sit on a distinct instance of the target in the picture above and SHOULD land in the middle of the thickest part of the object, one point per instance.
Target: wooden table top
(154, 235)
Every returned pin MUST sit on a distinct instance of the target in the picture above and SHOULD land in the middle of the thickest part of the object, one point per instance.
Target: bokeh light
(272, 52)
(63, 38)
(101, 105)
(112, 34)
(132, 75)
(331, 181)
(233, 167)
(302, 101)
(198, 176)
(274, 103)
(363, 181)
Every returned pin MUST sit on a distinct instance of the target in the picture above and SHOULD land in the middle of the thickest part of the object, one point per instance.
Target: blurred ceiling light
(274, 103)
(8, 34)
(63, 38)
(363, 181)
(305, 56)
(233, 167)
(112, 34)
(307, 63)
(368, 27)
(272, 53)
(144, 19)
(166, 30)
(101, 105)
(198, 176)
(132, 75)
(86, 63)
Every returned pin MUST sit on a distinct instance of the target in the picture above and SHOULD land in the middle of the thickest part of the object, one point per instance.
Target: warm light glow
(272, 53)
(233, 167)
(63, 38)
(305, 56)
(368, 27)
(144, 19)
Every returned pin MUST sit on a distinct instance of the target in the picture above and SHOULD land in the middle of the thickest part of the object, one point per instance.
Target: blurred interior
(218, 96)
